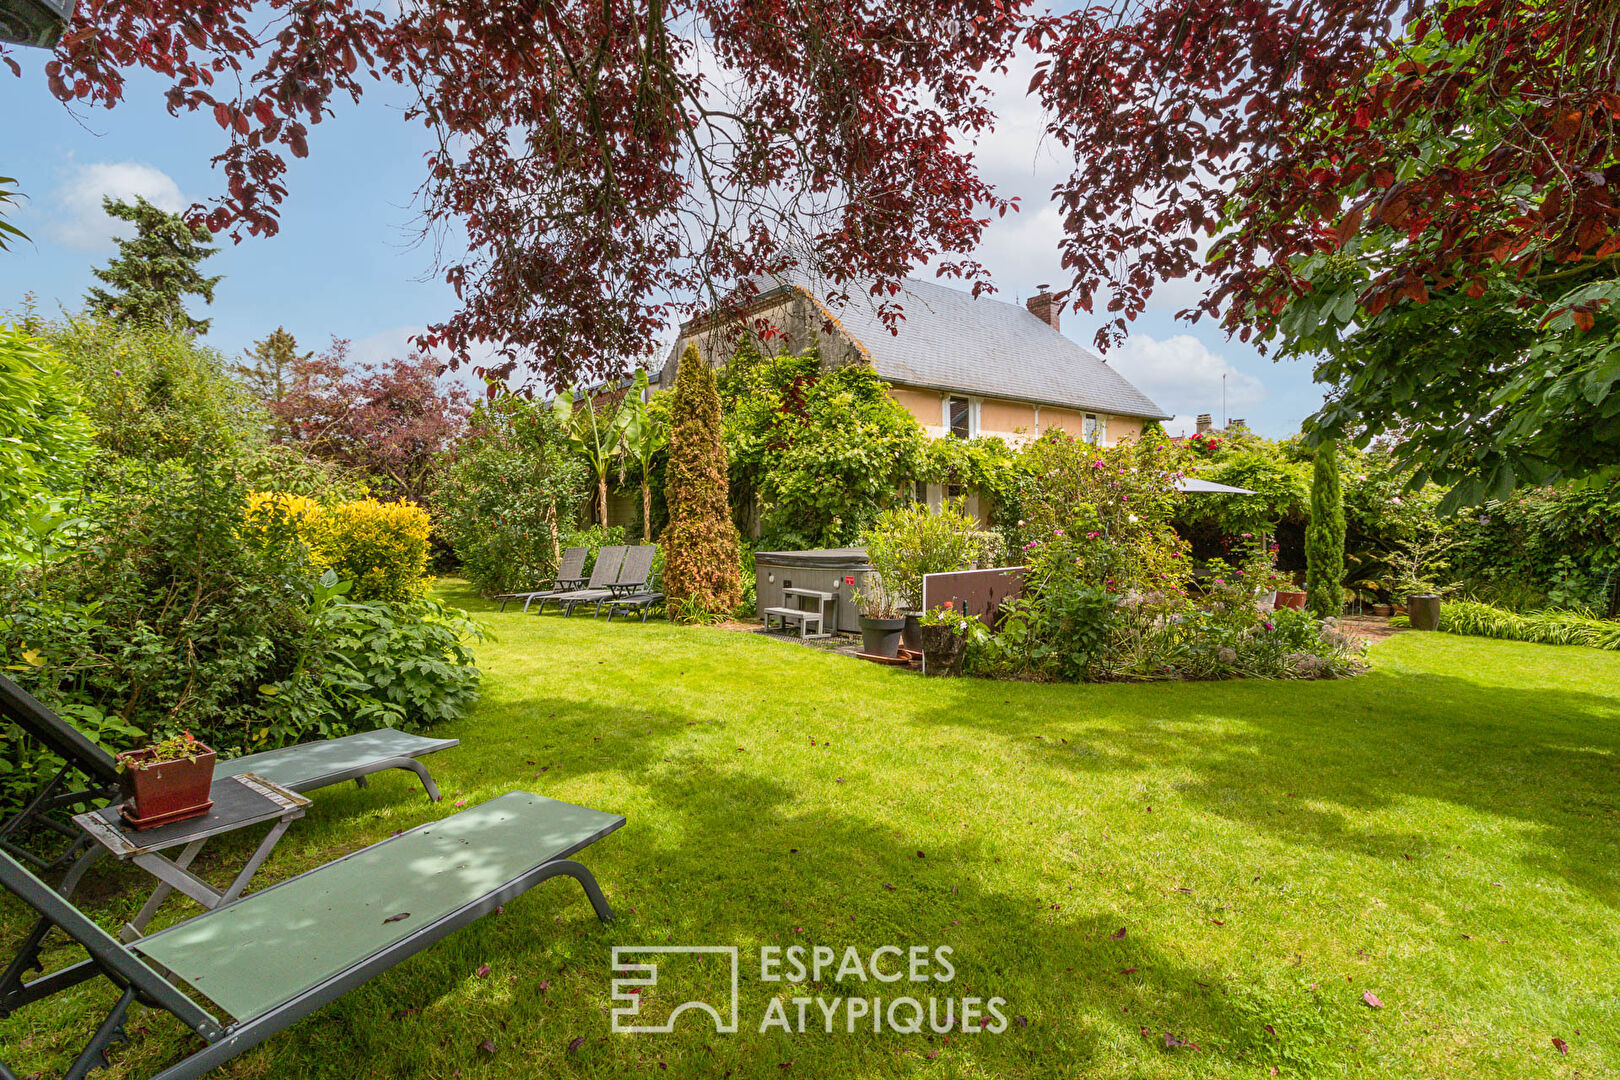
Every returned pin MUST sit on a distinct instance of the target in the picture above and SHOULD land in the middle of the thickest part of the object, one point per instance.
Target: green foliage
(819, 454)
(594, 539)
(596, 432)
(152, 392)
(700, 545)
(1541, 627)
(504, 493)
(644, 435)
(9, 233)
(906, 542)
(990, 469)
(271, 365)
(1100, 516)
(1324, 536)
(1553, 547)
(155, 270)
(44, 437)
(1282, 491)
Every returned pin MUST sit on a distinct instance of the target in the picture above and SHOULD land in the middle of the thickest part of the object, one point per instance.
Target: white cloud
(1184, 377)
(84, 225)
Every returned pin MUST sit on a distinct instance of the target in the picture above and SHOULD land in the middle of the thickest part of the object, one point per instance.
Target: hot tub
(832, 570)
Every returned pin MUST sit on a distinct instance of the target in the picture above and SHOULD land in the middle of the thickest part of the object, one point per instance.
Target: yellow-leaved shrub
(381, 547)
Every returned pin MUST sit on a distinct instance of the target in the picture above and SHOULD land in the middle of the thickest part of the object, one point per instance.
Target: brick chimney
(1043, 307)
(1205, 423)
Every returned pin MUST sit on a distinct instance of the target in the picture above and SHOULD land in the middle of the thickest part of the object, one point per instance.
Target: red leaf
(487, 1046)
(574, 1046)
(1118, 935)
(1560, 1045)
(396, 918)
(483, 971)
(1371, 999)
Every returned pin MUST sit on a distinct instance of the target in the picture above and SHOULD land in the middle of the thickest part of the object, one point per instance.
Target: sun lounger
(277, 955)
(89, 775)
(633, 577)
(570, 575)
(609, 560)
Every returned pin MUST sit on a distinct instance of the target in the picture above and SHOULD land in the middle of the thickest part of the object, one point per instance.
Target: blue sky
(347, 262)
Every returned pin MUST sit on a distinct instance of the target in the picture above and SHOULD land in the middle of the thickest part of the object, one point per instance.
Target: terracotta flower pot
(156, 793)
(1287, 598)
(881, 637)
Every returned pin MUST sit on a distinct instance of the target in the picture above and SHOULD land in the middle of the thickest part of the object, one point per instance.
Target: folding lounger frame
(609, 560)
(570, 575)
(142, 980)
(301, 768)
(633, 576)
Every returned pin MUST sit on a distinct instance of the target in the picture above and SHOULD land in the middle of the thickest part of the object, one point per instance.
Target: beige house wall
(1016, 422)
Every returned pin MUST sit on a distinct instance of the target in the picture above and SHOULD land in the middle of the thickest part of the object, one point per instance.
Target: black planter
(1424, 611)
(881, 637)
(911, 636)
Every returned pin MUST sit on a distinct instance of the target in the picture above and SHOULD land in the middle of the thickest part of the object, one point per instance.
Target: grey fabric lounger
(570, 575)
(609, 561)
(633, 576)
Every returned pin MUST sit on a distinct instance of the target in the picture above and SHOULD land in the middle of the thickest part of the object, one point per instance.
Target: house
(963, 366)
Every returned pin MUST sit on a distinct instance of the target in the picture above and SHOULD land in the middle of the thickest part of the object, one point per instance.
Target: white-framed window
(1094, 429)
(960, 416)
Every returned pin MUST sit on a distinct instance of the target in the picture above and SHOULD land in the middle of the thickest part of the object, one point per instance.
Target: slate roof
(950, 341)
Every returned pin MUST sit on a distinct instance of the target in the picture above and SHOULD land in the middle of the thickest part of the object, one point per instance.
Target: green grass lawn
(1443, 832)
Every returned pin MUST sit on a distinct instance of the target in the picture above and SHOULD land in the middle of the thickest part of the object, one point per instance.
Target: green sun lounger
(277, 955)
(89, 775)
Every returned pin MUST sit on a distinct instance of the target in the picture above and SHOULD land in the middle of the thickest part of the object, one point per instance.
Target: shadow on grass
(1264, 753)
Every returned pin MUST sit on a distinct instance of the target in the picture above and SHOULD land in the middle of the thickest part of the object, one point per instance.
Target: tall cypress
(1324, 536)
(702, 565)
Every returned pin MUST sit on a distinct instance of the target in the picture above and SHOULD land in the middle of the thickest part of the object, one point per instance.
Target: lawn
(1442, 833)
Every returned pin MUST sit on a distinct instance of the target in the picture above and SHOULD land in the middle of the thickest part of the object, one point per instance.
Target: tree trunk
(646, 509)
(601, 498)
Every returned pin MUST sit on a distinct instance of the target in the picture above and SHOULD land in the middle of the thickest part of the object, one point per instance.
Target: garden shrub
(381, 547)
(1109, 593)
(44, 437)
(701, 556)
(506, 492)
(594, 539)
(1541, 627)
(909, 541)
(1551, 547)
(818, 454)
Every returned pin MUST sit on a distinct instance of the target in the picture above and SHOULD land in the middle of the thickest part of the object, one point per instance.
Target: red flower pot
(1288, 599)
(158, 792)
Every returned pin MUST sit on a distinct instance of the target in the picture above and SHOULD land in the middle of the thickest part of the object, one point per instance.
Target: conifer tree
(1324, 536)
(155, 270)
(271, 365)
(702, 570)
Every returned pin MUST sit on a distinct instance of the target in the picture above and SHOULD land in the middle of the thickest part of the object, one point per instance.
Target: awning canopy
(1193, 486)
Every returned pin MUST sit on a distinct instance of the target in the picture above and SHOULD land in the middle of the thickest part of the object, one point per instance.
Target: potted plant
(167, 781)
(881, 617)
(908, 542)
(945, 633)
(1416, 566)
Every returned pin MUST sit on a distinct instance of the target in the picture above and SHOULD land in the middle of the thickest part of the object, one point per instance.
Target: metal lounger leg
(94, 1054)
